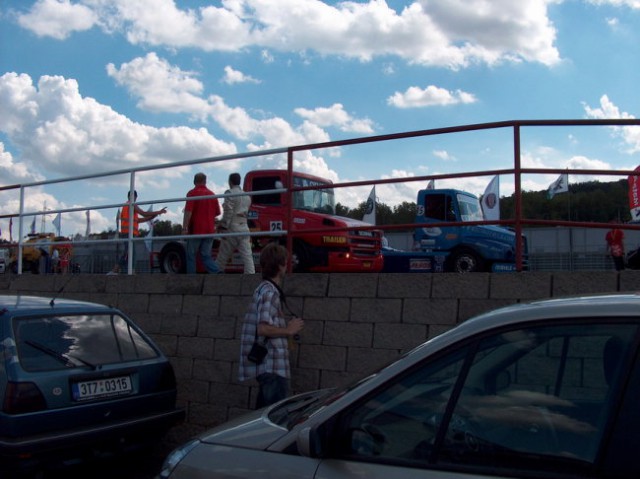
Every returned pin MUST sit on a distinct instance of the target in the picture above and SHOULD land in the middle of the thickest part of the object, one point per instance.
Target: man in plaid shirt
(265, 320)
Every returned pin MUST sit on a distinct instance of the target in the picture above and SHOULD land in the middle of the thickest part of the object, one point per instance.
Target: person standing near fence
(615, 246)
(265, 322)
(234, 220)
(199, 219)
(133, 222)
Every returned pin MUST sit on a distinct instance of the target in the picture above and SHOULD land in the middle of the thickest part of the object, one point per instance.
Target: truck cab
(337, 249)
(469, 248)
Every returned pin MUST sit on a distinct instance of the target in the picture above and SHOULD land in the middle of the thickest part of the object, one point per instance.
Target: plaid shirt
(265, 308)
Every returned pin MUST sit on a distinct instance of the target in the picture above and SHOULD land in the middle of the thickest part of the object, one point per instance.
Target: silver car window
(516, 397)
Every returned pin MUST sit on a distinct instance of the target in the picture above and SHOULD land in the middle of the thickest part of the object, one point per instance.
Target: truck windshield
(470, 209)
(319, 201)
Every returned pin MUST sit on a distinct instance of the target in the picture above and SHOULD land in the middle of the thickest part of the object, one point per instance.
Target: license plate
(366, 264)
(100, 388)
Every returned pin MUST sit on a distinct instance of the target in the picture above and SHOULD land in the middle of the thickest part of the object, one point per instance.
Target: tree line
(589, 201)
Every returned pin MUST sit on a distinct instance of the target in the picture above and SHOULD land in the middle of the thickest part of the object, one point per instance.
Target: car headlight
(174, 458)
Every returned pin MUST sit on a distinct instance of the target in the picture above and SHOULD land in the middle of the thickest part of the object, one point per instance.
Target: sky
(89, 86)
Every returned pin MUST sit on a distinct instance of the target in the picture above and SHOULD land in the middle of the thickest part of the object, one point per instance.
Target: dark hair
(135, 194)
(272, 257)
(199, 179)
(234, 179)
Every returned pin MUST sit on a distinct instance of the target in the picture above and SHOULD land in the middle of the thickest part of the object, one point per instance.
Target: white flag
(491, 200)
(561, 185)
(370, 208)
(431, 185)
(88, 232)
(56, 223)
(33, 226)
(148, 241)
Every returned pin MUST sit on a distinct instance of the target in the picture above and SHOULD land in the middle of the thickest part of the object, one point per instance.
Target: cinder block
(454, 285)
(376, 310)
(192, 347)
(353, 285)
(323, 357)
(429, 311)
(327, 309)
(520, 285)
(348, 334)
(584, 282)
(398, 336)
(401, 285)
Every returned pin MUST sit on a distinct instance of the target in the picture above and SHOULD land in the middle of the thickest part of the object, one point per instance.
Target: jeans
(203, 247)
(272, 389)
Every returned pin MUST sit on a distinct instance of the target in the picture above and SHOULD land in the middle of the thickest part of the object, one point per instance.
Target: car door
(525, 401)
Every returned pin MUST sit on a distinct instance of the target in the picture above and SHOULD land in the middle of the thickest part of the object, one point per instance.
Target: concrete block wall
(354, 323)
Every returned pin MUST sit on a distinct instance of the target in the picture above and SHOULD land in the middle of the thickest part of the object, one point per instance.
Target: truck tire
(173, 259)
(465, 261)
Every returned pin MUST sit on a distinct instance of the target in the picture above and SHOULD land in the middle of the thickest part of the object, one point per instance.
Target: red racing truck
(332, 243)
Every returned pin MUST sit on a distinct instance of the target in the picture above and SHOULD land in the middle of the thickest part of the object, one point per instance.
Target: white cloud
(336, 116)
(232, 76)
(160, 86)
(58, 131)
(608, 110)
(416, 97)
(452, 34)
(57, 18)
(443, 155)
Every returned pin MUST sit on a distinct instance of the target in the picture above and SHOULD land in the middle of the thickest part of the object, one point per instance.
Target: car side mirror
(309, 443)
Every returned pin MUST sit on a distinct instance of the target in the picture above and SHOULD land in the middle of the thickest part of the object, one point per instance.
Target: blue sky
(97, 85)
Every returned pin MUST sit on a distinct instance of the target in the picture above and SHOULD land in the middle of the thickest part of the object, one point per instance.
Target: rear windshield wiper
(65, 359)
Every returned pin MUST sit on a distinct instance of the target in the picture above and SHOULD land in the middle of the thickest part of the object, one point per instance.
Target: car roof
(16, 304)
(566, 308)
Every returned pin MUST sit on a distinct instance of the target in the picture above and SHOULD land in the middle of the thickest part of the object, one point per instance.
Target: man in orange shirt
(199, 219)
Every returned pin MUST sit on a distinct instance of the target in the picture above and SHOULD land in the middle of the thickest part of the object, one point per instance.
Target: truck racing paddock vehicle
(37, 258)
(454, 248)
(336, 249)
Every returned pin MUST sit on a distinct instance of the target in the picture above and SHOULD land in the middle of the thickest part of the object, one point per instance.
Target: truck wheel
(172, 259)
(466, 261)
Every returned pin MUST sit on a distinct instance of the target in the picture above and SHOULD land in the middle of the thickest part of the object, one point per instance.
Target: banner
(56, 223)
(561, 185)
(88, 232)
(431, 185)
(370, 208)
(634, 196)
(491, 200)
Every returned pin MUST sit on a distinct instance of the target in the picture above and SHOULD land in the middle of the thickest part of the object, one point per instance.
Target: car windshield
(470, 209)
(319, 201)
(46, 343)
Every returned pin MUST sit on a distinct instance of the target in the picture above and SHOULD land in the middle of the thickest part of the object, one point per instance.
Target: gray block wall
(354, 323)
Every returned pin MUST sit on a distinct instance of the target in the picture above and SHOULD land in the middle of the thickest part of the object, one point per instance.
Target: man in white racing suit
(234, 220)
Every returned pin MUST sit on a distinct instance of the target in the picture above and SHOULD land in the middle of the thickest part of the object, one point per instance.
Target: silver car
(546, 389)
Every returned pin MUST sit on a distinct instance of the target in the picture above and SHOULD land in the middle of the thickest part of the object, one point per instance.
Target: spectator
(265, 319)
(615, 246)
(199, 219)
(139, 216)
(234, 220)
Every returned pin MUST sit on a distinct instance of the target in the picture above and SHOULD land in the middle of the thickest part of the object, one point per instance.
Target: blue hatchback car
(77, 380)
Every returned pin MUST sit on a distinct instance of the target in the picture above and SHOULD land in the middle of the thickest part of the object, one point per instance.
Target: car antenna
(55, 296)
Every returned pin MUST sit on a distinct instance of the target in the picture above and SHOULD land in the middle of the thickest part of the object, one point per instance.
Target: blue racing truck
(454, 248)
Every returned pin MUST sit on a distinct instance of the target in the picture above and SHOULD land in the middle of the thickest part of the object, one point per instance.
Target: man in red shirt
(615, 246)
(199, 219)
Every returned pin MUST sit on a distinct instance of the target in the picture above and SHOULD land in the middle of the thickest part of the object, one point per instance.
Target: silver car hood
(255, 430)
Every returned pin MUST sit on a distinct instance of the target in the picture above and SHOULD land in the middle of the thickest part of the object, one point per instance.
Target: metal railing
(517, 222)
